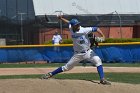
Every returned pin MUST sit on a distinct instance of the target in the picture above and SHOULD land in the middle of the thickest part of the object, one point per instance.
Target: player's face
(76, 27)
(56, 33)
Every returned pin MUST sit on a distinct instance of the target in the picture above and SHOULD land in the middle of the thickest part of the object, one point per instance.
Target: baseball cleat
(46, 76)
(105, 82)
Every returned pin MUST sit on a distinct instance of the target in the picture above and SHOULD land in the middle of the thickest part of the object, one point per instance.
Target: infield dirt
(63, 86)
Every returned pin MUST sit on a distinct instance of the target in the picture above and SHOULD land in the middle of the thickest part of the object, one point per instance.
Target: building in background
(35, 21)
(16, 21)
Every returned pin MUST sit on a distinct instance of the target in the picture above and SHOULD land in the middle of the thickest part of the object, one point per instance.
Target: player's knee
(97, 61)
(98, 64)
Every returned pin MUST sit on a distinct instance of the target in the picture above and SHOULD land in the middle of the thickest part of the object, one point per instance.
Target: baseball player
(57, 39)
(82, 51)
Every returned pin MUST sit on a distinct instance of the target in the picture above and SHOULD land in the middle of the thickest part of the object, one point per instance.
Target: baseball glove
(93, 41)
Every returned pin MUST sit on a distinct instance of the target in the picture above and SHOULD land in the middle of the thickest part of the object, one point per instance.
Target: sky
(55, 7)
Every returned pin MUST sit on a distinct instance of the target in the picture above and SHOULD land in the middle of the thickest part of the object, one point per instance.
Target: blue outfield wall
(121, 52)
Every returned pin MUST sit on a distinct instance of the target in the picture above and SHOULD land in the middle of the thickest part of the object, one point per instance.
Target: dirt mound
(63, 86)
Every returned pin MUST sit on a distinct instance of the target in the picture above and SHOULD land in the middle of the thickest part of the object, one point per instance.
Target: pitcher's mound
(63, 86)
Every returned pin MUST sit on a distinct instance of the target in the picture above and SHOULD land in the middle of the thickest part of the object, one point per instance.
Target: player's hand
(59, 16)
(103, 39)
(61, 41)
(99, 39)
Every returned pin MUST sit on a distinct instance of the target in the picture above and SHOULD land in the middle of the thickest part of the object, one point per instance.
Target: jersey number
(81, 40)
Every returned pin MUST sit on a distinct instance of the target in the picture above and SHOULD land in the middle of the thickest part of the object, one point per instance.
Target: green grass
(132, 78)
(30, 65)
(19, 76)
(61, 64)
(122, 64)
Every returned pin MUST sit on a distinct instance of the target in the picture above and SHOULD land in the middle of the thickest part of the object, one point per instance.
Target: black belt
(81, 51)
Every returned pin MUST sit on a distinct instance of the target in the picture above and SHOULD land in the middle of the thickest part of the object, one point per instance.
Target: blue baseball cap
(74, 22)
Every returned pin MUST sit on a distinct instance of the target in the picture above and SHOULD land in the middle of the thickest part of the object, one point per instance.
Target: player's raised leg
(71, 63)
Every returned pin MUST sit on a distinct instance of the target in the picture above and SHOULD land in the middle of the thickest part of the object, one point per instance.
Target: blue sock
(100, 72)
(58, 70)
